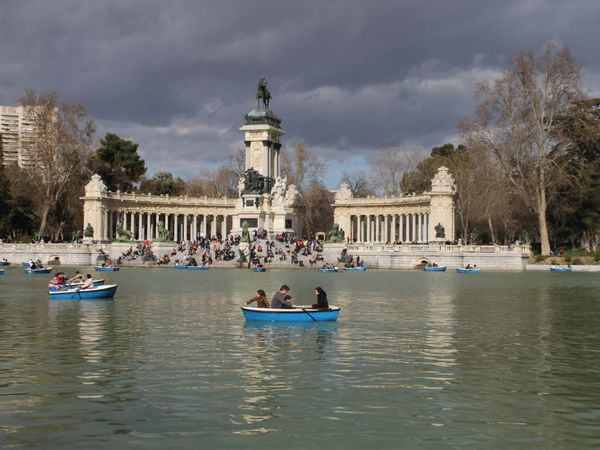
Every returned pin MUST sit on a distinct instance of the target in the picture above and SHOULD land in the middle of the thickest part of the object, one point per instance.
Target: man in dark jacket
(279, 301)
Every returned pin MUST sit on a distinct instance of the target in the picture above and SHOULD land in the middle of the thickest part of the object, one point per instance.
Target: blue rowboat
(460, 270)
(328, 270)
(197, 268)
(38, 271)
(106, 291)
(355, 269)
(106, 269)
(5, 263)
(259, 269)
(291, 315)
(1, 272)
(561, 269)
(434, 269)
(58, 287)
(180, 266)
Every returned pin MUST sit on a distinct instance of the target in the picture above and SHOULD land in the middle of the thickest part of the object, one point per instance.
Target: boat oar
(309, 314)
(76, 293)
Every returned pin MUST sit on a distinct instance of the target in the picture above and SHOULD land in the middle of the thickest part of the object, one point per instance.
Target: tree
(388, 167)
(516, 121)
(359, 182)
(301, 166)
(575, 211)
(61, 138)
(163, 183)
(119, 164)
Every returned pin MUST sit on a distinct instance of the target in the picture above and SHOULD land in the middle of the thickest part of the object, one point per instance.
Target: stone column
(393, 236)
(176, 227)
(386, 225)
(418, 227)
(204, 224)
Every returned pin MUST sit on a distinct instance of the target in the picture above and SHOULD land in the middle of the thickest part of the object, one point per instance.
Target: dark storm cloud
(347, 77)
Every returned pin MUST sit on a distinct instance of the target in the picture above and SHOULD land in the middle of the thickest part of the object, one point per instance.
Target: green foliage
(118, 162)
(577, 262)
(163, 183)
(540, 258)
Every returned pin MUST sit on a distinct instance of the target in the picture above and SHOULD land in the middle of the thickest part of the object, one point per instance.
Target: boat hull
(472, 271)
(561, 269)
(38, 271)
(434, 269)
(291, 315)
(180, 266)
(259, 269)
(106, 269)
(197, 268)
(355, 269)
(328, 270)
(1, 272)
(4, 263)
(100, 292)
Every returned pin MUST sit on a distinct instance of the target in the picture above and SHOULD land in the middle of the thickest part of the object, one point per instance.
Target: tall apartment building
(16, 132)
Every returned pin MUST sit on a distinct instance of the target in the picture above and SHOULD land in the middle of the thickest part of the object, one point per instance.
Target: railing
(440, 248)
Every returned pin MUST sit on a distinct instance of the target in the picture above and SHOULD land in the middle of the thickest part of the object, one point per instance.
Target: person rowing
(281, 299)
(87, 284)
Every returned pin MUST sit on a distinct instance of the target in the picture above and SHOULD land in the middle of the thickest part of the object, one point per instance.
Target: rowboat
(460, 270)
(106, 269)
(197, 268)
(1, 271)
(58, 287)
(434, 269)
(259, 269)
(39, 271)
(106, 291)
(561, 269)
(335, 269)
(25, 263)
(304, 314)
(180, 266)
(355, 269)
(4, 263)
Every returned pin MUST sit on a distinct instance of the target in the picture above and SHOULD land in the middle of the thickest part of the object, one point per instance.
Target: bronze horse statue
(263, 92)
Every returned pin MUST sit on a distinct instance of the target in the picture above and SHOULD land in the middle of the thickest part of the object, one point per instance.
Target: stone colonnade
(423, 218)
(182, 226)
(411, 227)
(186, 218)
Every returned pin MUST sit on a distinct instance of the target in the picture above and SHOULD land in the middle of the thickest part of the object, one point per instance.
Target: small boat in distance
(355, 269)
(39, 271)
(259, 269)
(197, 267)
(470, 270)
(4, 262)
(1, 271)
(300, 314)
(429, 268)
(180, 266)
(106, 269)
(561, 269)
(101, 292)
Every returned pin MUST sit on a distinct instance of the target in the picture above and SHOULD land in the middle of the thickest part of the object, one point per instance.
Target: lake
(416, 360)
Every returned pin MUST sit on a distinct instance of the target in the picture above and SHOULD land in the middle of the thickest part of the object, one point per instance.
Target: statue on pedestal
(263, 93)
(335, 235)
(89, 231)
(440, 231)
(162, 234)
(123, 235)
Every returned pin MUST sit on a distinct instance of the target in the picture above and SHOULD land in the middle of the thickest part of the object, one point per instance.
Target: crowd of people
(283, 300)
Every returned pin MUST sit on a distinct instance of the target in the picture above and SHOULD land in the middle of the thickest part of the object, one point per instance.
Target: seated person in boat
(88, 283)
(468, 266)
(260, 298)
(279, 300)
(32, 265)
(77, 278)
(322, 302)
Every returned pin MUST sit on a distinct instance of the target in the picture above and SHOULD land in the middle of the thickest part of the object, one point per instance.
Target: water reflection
(272, 350)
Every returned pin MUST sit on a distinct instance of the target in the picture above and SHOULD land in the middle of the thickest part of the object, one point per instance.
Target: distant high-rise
(16, 134)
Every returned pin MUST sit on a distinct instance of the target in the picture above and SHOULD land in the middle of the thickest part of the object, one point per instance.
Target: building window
(288, 223)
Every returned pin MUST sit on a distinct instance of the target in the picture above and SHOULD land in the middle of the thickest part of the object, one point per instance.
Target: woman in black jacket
(321, 299)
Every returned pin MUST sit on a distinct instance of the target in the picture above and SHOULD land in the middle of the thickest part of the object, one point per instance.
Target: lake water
(416, 360)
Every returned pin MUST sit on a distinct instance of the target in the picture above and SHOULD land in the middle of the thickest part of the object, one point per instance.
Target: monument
(266, 201)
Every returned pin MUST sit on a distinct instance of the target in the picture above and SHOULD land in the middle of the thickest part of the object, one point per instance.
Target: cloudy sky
(348, 77)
